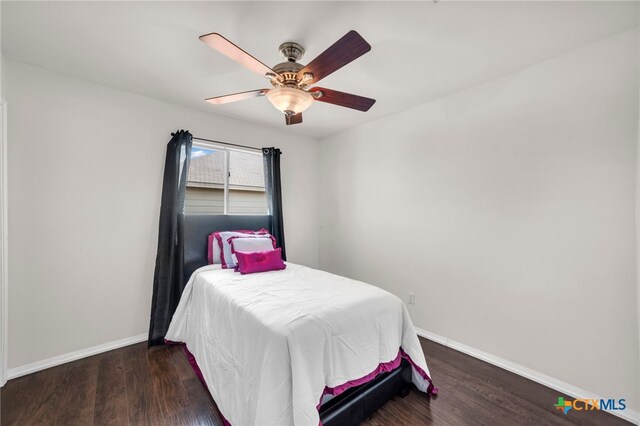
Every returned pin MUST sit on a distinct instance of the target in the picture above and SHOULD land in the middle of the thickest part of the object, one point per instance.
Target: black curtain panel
(271, 158)
(168, 280)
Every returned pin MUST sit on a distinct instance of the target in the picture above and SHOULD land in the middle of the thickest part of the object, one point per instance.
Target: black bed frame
(351, 407)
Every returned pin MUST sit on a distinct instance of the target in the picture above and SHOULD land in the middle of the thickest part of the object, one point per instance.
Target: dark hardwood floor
(140, 386)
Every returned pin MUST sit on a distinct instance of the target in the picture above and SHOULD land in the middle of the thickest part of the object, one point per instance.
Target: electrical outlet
(412, 298)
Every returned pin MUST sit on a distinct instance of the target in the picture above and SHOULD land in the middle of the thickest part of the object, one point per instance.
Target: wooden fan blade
(350, 47)
(293, 119)
(232, 51)
(235, 97)
(344, 99)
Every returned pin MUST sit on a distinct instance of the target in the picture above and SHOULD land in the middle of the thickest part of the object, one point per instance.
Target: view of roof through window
(206, 179)
(207, 169)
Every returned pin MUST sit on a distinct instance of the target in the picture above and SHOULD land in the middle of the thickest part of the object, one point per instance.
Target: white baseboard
(550, 382)
(12, 373)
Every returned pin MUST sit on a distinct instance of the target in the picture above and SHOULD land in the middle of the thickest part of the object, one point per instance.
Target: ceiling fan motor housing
(291, 51)
(289, 73)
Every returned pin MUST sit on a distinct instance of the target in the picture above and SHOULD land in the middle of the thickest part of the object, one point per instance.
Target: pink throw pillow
(260, 261)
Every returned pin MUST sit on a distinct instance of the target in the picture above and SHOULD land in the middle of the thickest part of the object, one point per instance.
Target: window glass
(206, 182)
(246, 184)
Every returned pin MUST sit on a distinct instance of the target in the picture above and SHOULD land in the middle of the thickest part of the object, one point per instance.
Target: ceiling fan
(291, 81)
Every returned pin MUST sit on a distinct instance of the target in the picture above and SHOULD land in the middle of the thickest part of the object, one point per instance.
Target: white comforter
(268, 343)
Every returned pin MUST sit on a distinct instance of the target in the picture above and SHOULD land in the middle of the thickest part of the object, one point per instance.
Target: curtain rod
(227, 143)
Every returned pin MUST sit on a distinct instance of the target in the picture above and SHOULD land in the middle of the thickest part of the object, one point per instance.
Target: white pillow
(214, 249)
(225, 247)
(250, 245)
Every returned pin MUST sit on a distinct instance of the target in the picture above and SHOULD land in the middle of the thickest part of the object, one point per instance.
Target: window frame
(227, 159)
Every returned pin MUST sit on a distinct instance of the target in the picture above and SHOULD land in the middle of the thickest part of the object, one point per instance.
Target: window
(225, 181)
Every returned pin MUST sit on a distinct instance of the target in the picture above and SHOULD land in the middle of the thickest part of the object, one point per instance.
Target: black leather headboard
(198, 226)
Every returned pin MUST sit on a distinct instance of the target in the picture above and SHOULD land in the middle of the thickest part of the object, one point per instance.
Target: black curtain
(271, 158)
(168, 280)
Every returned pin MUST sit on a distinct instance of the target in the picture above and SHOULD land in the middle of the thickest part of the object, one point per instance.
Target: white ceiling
(420, 50)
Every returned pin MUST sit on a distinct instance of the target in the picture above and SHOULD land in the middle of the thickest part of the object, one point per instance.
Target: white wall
(513, 202)
(509, 209)
(638, 214)
(85, 177)
(3, 239)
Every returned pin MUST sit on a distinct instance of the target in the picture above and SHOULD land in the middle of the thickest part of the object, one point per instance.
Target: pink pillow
(249, 244)
(260, 261)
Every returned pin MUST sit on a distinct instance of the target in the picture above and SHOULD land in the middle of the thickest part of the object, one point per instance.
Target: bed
(297, 346)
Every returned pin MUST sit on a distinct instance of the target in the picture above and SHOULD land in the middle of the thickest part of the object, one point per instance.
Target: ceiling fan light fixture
(289, 100)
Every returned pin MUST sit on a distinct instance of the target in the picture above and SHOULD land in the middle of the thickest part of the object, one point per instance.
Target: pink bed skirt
(383, 367)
